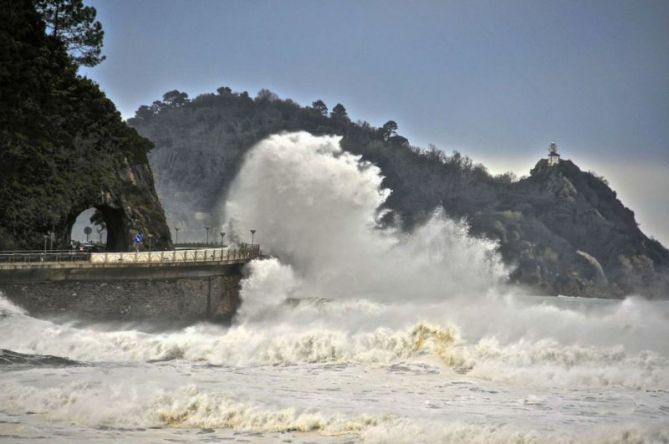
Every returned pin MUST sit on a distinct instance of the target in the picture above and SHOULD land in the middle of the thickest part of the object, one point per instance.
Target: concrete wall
(160, 294)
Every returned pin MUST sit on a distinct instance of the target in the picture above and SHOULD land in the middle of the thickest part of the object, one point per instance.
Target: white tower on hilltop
(553, 156)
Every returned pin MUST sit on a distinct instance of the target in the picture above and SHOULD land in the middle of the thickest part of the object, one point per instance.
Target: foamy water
(357, 334)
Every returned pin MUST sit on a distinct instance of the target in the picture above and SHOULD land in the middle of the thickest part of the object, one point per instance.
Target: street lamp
(176, 238)
(150, 237)
(253, 232)
(207, 238)
(222, 241)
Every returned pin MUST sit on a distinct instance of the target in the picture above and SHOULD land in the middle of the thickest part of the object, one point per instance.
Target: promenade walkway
(16, 260)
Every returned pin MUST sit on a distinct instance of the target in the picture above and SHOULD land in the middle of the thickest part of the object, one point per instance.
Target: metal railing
(222, 255)
(179, 256)
(41, 256)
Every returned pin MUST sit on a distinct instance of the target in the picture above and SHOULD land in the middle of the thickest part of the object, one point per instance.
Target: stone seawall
(137, 293)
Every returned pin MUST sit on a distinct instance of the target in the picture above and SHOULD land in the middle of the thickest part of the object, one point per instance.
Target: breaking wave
(318, 207)
(290, 342)
(8, 357)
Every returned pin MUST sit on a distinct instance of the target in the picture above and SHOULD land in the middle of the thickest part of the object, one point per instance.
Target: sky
(497, 80)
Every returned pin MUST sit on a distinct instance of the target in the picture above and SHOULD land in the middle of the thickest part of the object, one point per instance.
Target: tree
(175, 98)
(74, 25)
(265, 95)
(157, 106)
(321, 107)
(339, 112)
(224, 91)
(98, 219)
(388, 129)
(399, 140)
(143, 113)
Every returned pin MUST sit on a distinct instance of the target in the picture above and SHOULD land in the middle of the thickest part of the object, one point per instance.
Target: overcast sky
(497, 80)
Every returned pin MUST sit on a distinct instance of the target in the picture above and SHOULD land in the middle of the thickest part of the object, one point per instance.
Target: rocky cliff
(605, 252)
(562, 230)
(64, 147)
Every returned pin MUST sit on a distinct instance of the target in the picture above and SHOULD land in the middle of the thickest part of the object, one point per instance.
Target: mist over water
(351, 331)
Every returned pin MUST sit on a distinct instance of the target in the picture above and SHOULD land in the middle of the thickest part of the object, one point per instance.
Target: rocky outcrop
(64, 147)
(599, 248)
(129, 206)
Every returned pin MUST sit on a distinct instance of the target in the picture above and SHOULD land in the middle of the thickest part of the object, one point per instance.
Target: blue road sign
(138, 238)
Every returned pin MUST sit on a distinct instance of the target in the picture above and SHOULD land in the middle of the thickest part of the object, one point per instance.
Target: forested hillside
(563, 230)
(63, 145)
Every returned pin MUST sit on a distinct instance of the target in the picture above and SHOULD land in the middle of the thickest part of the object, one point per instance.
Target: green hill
(563, 230)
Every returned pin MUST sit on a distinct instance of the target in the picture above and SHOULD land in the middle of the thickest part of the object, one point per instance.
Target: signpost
(138, 240)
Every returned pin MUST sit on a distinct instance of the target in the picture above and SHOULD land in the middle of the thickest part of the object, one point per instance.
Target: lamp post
(150, 237)
(45, 238)
(222, 240)
(207, 238)
(176, 237)
(253, 232)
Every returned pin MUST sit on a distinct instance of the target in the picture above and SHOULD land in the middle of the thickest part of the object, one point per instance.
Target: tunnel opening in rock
(100, 226)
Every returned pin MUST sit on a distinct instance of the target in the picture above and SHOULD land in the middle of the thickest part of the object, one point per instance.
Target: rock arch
(131, 206)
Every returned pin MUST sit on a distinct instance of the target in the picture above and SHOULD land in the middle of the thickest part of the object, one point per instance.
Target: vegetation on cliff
(561, 229)
(63, 145)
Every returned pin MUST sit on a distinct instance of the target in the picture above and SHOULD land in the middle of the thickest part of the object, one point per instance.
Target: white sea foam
(342, 339)
(114, 405)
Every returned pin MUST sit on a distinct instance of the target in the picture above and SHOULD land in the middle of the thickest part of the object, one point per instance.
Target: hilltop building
(553, 156)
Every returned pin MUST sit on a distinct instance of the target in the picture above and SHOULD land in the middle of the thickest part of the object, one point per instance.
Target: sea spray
(316, 207)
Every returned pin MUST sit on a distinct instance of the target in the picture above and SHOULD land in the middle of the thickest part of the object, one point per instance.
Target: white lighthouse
(553, 156)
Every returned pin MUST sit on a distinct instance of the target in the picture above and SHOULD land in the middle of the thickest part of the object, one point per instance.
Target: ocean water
(306, 380)
(352, 333)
